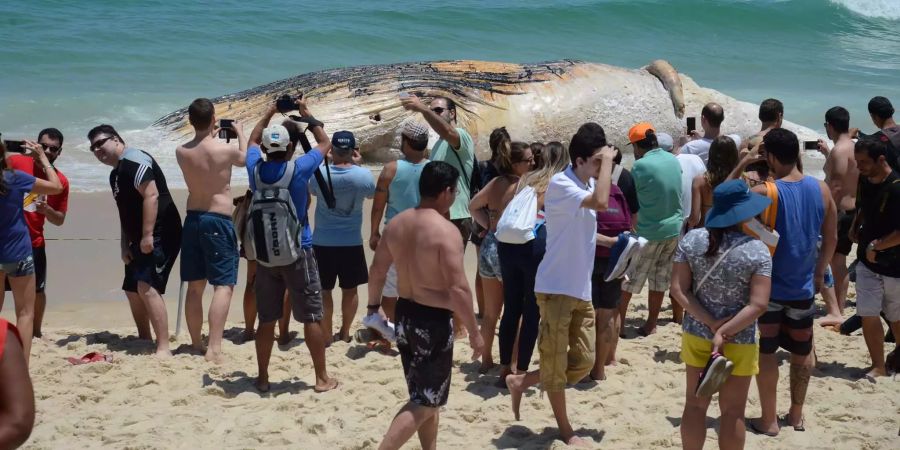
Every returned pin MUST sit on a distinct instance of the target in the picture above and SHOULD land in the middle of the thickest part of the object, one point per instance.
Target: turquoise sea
(127, 62)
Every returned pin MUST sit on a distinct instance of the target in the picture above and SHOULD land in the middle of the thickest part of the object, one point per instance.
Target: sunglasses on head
(99, 143)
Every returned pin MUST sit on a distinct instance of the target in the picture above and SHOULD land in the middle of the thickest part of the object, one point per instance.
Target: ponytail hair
(508, 154)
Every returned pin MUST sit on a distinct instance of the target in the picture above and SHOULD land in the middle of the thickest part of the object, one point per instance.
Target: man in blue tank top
(396, 191)
(805, 211)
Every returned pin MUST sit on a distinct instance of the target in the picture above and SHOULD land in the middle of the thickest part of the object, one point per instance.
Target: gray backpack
(273, 228)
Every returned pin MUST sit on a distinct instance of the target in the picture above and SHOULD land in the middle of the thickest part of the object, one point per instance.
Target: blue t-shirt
(342, 226)
(15, 242)
(272, 171)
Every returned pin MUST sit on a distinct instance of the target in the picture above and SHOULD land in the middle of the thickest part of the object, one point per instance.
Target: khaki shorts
(653, 266)
(876, 294)
(566, 340)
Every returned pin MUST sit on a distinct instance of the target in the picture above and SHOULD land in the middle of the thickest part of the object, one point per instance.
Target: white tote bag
(516, 225)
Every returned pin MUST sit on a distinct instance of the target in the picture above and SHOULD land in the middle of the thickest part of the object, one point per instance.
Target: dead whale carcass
(536, 102)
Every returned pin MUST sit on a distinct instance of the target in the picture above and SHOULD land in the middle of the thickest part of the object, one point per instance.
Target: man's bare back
(841, 174)
(206, 165)
(428, 257)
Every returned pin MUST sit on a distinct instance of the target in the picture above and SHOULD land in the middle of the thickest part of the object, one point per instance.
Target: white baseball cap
(276, 138)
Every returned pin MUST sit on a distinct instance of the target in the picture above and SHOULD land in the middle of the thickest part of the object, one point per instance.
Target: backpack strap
(283, 183)
(616, 173)
(771, 213)
(462, 167)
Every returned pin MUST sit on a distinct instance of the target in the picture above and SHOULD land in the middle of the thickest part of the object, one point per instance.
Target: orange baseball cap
(639, 132)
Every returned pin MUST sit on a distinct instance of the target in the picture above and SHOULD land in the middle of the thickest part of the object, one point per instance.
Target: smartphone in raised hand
(691, 124)
(225, 129)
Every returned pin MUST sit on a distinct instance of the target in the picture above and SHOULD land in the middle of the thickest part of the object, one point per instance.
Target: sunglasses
(438, 110)
(99, 143)
(529, 161)
(50, 148)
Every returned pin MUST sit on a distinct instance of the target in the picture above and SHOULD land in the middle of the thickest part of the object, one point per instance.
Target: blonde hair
(554, 159)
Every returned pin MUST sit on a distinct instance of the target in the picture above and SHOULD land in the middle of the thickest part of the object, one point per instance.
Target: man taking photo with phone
(209, 251)
(42, 208)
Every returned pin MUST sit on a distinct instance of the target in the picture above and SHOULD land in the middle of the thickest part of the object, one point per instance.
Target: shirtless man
(209, 249)
(771, 115)
(428, 256)
(842, 177)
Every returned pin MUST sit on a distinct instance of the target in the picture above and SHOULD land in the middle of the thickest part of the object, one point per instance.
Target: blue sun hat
(734, 203)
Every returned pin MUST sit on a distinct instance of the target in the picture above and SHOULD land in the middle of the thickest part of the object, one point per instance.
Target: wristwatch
(871, 247)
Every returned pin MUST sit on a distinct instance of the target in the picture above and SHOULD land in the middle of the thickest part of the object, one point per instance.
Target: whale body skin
(536, 102)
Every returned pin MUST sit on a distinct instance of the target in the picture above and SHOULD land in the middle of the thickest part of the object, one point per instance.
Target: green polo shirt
(466, 154)
(657, 178)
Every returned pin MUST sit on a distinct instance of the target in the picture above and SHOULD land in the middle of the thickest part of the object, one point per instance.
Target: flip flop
(716, 372)
(787, 421)
(91, 357)
(758, 431)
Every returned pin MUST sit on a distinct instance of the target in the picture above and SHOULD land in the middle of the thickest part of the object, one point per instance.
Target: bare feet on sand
(875, 373)
(644, 331)
(248, 335)
(214, 357)
(831, 321)
(262, 384)
(515, 384)
(575, 441)
(595, 376)
(326, 385)
(485, 367)
(163, 354)
(757, 426)
(286, 339)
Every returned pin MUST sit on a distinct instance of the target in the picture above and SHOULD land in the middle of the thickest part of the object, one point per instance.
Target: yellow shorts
(695, 352)
(566, 340)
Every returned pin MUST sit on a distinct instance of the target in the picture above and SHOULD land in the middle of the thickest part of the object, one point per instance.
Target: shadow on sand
(520, 437)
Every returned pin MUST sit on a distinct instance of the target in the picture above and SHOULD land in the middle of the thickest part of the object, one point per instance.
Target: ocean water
(73, 65)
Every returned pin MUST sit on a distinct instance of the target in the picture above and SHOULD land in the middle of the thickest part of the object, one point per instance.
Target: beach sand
(138, 401)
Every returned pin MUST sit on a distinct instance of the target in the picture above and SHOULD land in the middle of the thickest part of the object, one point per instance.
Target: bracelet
(375, 306)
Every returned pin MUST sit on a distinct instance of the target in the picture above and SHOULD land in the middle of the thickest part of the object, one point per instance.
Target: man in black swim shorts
(427, 254)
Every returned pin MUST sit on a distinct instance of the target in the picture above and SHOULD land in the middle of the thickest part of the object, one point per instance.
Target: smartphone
(285, 104)
(691, 124)
(404, 95)
(225, 131)
(811, 145)
(15, 146)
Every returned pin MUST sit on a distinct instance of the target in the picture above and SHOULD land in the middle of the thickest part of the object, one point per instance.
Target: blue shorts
(209, 249)
(19, 268)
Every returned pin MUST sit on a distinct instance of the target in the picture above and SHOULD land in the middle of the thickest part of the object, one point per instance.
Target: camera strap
(326, 187)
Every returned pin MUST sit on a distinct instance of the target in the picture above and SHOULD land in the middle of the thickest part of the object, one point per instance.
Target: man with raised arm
(209, 251)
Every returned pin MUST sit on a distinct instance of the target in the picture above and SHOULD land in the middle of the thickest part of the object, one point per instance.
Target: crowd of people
(729, 226)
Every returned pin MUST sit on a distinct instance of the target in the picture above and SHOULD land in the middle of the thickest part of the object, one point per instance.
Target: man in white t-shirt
(691, 166)
(711, 118)
(563, 282)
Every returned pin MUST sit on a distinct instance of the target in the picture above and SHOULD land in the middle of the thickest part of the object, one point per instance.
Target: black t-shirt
(626, 184)
(135, 168)
(879, 206)
(891, 138)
